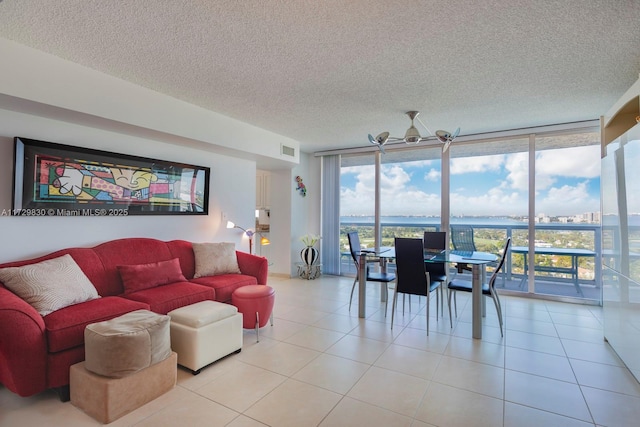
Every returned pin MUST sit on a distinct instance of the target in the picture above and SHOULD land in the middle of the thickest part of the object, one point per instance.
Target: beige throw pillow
(49, 285)
(215, 258)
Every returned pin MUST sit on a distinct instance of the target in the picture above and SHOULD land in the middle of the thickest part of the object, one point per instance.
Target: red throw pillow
(144, 276)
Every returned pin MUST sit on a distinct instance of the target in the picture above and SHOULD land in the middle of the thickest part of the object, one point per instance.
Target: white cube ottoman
(204, 332)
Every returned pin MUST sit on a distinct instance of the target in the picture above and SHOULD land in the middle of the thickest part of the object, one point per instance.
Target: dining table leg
(383, 285)
(362, 284)
(476, 300)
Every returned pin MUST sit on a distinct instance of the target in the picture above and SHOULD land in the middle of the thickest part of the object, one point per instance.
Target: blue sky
(567, 183)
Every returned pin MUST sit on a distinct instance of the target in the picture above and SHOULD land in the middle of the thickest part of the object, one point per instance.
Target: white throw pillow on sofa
(215, 258)
(49, 285)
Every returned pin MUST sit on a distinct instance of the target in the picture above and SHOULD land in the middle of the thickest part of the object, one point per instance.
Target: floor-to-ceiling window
(567, 215)
(410, 196)
(544, 185)
(410, 193)
(489, 192)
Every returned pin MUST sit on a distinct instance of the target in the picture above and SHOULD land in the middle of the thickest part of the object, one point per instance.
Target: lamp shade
(264, 241)
(230, 224)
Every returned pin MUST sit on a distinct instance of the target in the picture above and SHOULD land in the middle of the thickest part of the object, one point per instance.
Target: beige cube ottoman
(107, 399)
(204, 332)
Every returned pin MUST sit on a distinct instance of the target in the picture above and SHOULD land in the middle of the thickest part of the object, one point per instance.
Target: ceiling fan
(412, 136)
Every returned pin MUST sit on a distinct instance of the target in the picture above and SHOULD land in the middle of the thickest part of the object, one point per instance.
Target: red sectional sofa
(36, 351)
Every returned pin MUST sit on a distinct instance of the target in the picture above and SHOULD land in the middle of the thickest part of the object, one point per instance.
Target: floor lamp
(250, 234)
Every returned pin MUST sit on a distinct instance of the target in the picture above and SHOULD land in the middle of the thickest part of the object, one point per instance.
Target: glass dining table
(477, 260)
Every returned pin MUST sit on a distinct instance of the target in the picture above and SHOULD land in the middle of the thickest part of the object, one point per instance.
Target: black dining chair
(412, 277)
(355, 248)
(436, 241)
(488, 289)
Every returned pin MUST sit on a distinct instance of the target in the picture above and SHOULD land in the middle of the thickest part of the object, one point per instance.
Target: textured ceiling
(327, 73)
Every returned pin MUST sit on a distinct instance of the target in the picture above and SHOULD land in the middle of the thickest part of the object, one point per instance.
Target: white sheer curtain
(330, 219)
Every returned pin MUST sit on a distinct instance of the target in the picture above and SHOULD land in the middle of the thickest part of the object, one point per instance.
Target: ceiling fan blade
(455, 134)
(446, 145)
(379, 140)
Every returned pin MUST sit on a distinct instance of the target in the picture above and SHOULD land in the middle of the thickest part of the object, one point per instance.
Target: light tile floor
(320, 365)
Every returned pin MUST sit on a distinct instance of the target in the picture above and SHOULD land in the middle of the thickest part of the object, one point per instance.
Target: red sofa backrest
(131, 251)
(86, 258)
(184, 251)
(101, 262)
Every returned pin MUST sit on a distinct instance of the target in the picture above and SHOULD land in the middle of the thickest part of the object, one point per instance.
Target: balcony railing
(567, 264)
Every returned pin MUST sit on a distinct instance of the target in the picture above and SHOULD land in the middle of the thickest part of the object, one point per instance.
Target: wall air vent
(287, 151)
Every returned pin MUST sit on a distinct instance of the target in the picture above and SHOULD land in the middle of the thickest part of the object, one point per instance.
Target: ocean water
(430, 220)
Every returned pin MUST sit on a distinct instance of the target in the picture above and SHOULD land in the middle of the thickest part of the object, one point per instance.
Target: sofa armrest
(253, 265)
(23, 346)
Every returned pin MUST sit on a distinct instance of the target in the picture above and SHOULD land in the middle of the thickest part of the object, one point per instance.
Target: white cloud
(573, 162)
(393, 178)
(433, 175)
(493, 202)
(508, 197)
(567, 200)
(397, 195)
(517, 166)
(476, 164)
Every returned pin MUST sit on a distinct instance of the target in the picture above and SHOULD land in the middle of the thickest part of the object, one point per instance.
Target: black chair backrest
(435, 240)
(411, 277)
(354, 245)
(462, 238)
(505, 253)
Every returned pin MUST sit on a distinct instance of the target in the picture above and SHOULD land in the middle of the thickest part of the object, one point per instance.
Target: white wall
(26, 237)
(47, 98)
(305, 211)
(280, 227)
(292, 215)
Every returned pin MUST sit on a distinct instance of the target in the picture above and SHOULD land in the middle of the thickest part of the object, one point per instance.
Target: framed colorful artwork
(59, 180)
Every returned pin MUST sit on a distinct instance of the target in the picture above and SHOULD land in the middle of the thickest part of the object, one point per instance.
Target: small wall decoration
(301, 187)
(60, 180)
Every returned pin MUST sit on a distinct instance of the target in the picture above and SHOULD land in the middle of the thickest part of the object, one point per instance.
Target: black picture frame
(51, 179)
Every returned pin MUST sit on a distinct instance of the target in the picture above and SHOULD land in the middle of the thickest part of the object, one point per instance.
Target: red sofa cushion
(163, 299)
(225, 284)
(143, 276)
(129, 252)
(65, 327)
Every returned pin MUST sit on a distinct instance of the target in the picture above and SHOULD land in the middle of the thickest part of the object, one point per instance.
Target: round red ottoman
(255, 302)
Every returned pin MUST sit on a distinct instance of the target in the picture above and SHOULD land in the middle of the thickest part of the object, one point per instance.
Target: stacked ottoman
(204, 332)
(128, 362)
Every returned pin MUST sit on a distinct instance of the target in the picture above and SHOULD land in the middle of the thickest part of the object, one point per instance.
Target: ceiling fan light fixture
(412, 136)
